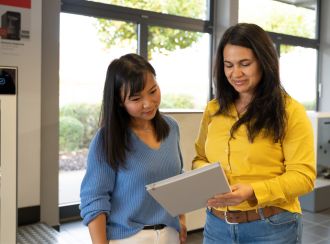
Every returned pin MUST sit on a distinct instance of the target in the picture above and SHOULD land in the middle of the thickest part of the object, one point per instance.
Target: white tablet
(189, 191)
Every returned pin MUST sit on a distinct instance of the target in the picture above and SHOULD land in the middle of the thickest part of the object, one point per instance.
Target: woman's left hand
(240, 193)
(183, 229)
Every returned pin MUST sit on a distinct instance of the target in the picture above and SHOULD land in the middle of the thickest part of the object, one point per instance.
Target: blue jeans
(282, 228)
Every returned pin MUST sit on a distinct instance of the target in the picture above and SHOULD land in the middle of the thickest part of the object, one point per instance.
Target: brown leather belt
(237, 217)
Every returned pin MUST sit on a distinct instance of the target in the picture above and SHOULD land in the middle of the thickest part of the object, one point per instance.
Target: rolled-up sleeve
(97, 184)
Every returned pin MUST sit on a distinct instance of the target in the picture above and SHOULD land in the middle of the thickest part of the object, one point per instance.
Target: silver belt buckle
(227, 221)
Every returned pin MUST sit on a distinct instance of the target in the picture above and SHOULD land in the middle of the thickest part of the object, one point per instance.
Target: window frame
(143, 18)
(285, 39)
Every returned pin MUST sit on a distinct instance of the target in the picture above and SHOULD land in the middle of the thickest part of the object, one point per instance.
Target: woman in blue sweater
(135, 146)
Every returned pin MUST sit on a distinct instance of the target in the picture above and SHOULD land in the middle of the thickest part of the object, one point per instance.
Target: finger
(224, 202)
(214, 201)
(224, 196)
(212, 204)
(183, 236)
(231, 203)
(234, 187)
(216, 204)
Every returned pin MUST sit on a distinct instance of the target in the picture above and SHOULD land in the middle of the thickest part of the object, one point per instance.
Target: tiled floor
(316, 231)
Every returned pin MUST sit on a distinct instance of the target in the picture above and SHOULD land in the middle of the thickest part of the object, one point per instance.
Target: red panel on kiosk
(17, 3)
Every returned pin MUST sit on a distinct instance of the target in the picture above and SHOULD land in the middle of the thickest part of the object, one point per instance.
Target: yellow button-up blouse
(278, 172)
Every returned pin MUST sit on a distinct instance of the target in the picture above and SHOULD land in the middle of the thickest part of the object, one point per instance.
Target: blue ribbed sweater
(122, 195)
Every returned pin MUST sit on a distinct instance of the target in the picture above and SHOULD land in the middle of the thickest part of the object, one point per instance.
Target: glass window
(277, 16)
(193, 8)
(86, 49)
(181, 60)
(298, 48)
(298, 66)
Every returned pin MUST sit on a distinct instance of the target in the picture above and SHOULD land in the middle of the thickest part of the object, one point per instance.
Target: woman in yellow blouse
(264, 141)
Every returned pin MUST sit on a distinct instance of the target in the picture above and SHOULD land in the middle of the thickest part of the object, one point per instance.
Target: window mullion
(142, 30)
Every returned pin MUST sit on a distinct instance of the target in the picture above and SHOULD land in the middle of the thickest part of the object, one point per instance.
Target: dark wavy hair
(128, 75)
(266, 111)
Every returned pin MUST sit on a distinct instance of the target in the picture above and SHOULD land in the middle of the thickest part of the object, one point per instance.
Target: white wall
(189, 126)
(36, 124)
(324, 74)
(27, 58)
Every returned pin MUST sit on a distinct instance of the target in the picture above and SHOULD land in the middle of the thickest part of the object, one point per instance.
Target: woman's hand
(239, 194)
(183, 229)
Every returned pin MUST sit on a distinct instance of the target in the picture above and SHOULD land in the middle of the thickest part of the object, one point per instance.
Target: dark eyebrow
(134, 95)
(242, 60)
(246, 59)
(153, 87)
(138, 93)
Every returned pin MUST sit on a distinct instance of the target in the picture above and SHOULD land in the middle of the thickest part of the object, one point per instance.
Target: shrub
(71, 133)
(177, 101)
(88, 115)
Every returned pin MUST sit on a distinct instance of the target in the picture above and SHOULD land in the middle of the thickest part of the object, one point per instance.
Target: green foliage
(279, 18)
(162, 40)
(309, 105)
(293, 24)
(71, 133)
(88, 115)
(115, 33)
(79, 122)
(177, 101)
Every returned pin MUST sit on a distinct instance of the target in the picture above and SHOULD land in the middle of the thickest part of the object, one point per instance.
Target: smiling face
(242, 69)
(143, 105)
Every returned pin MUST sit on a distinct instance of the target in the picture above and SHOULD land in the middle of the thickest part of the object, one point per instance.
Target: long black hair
(128, 75)
(266, 111)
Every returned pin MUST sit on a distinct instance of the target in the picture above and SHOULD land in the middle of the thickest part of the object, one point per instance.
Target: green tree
(177, 101)
(293, 24)
(279, 18)
(163, 40)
